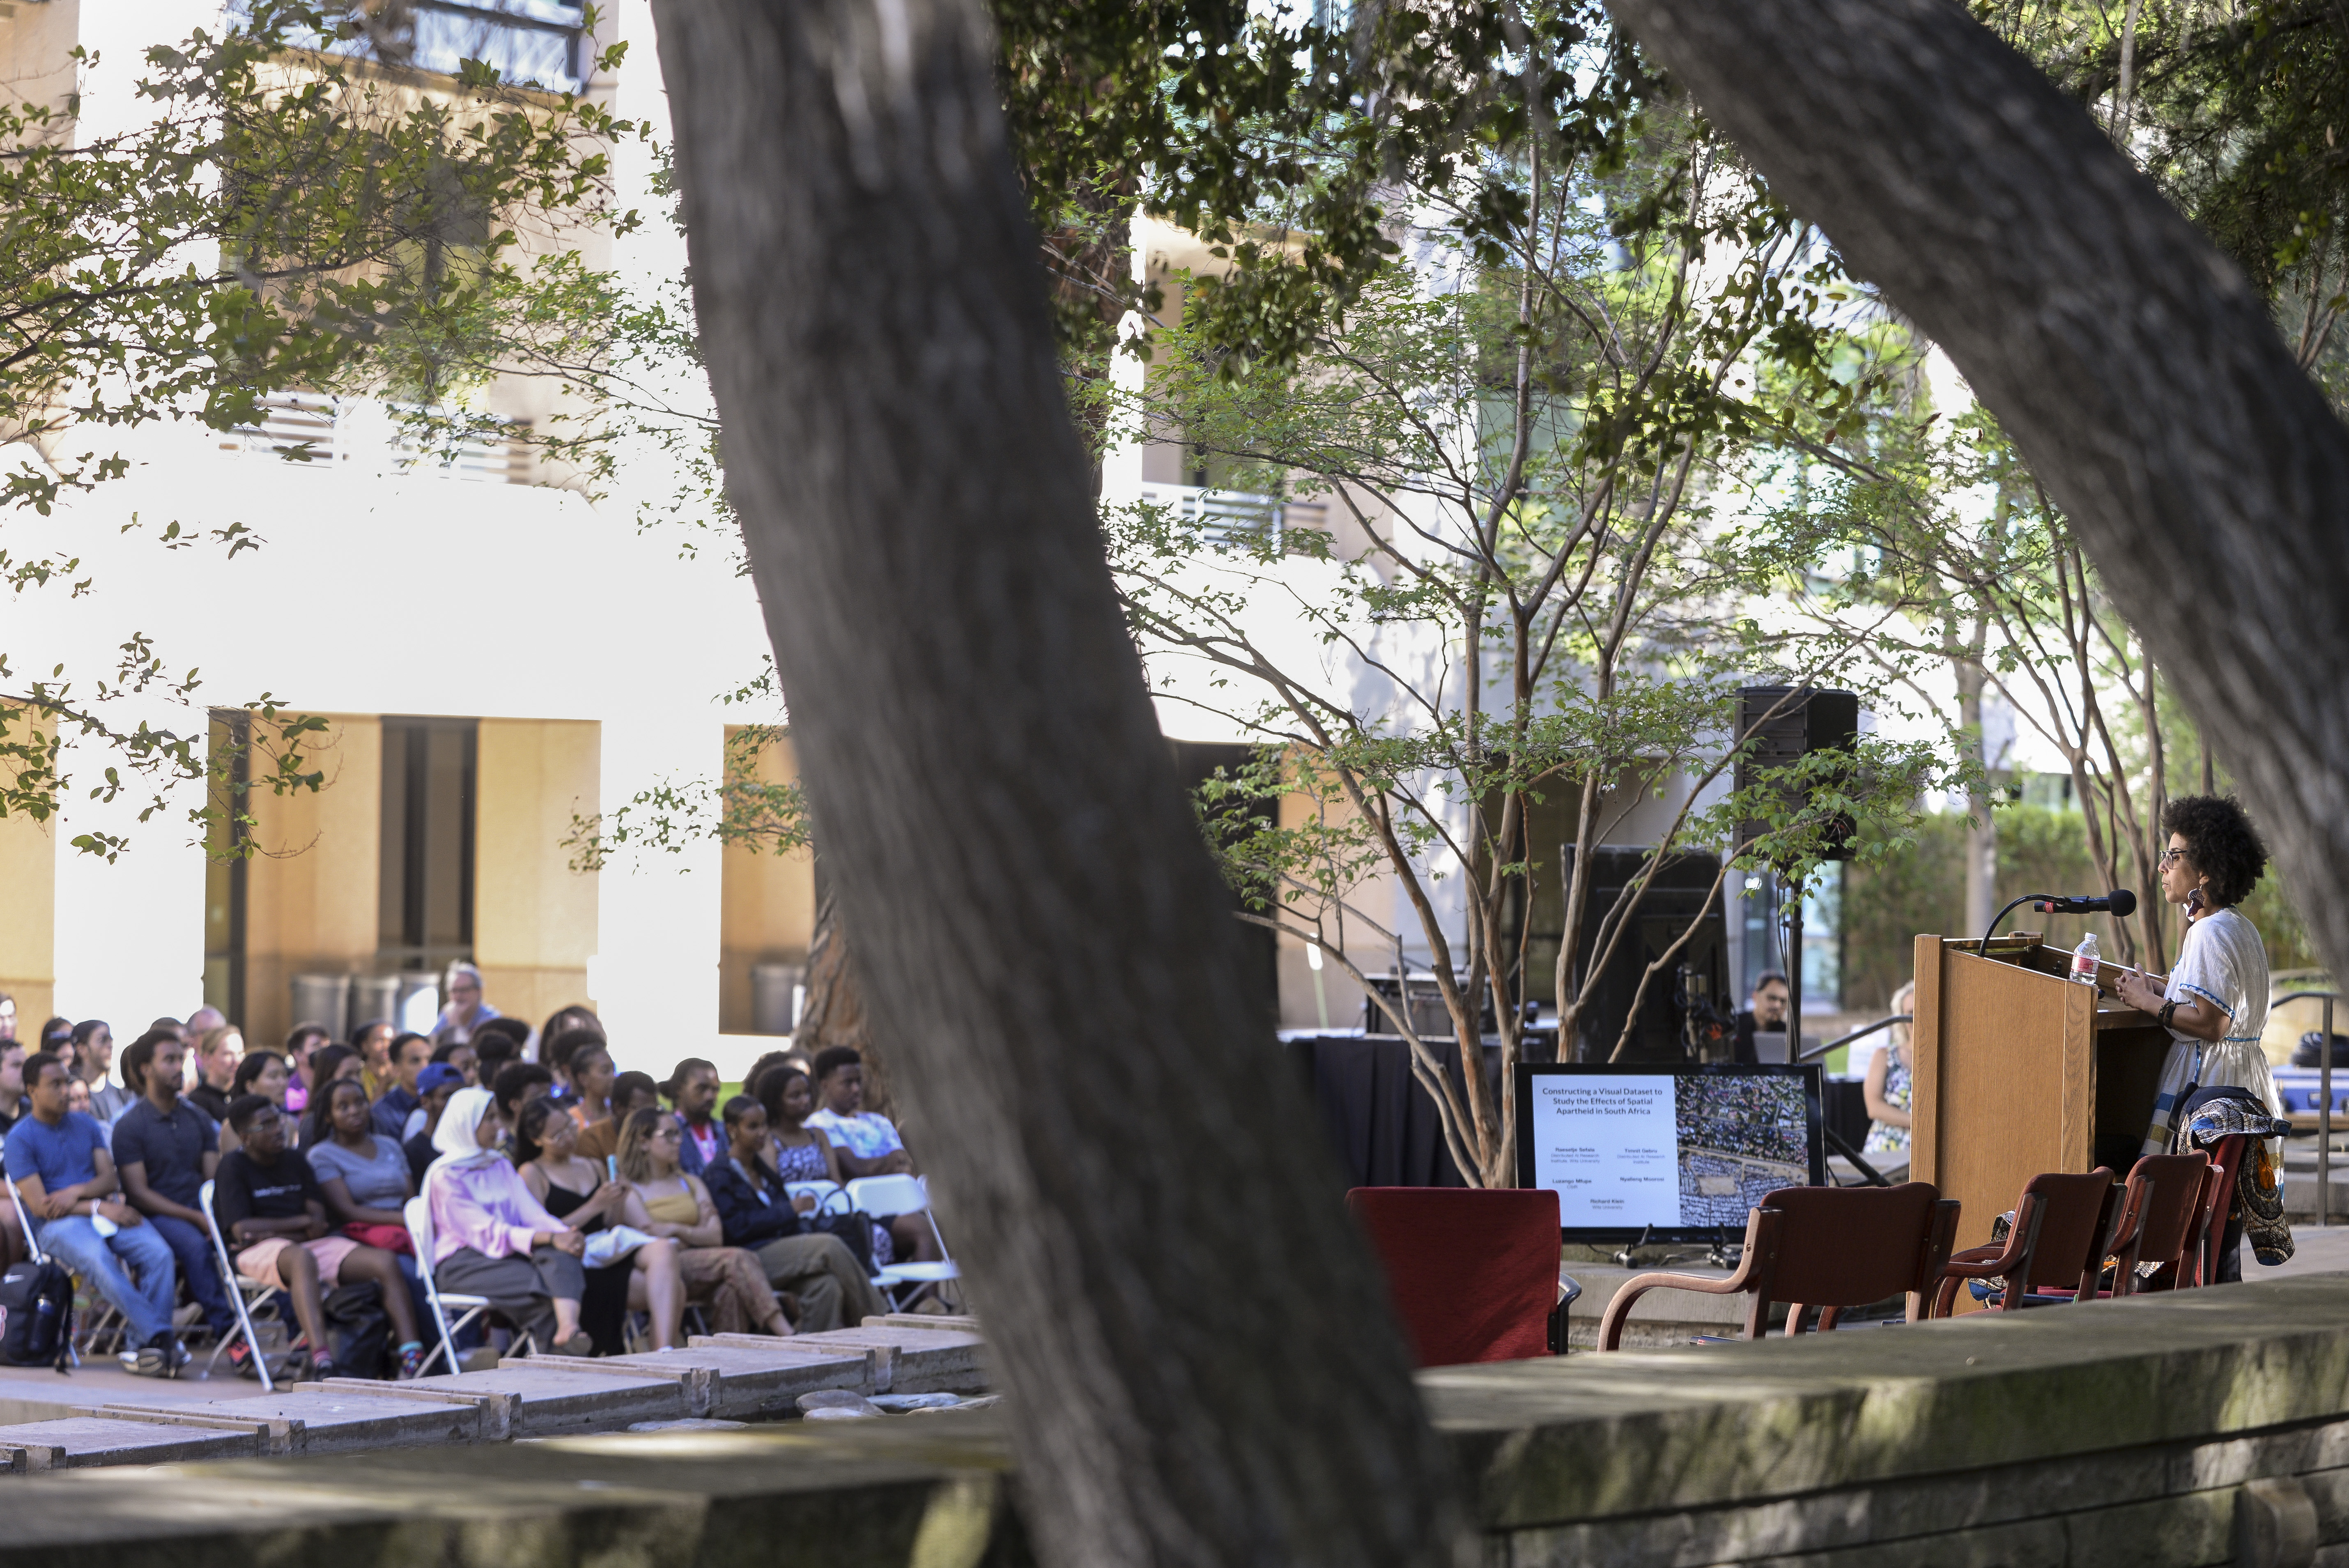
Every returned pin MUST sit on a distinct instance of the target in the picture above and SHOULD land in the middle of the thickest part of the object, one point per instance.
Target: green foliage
(288, 216)
(1527, 608)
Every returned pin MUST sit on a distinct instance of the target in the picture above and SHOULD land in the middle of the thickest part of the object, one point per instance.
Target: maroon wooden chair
(1829, 1247)
(2227, 1157)
(2054, 1251)
(1472, 1273)
(2161, 1220)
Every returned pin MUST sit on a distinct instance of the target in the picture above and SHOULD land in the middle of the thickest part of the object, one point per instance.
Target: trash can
(775, 997)
(373, 997)
(324, 1000)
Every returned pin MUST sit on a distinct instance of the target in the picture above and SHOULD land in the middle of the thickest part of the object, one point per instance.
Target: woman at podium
(2216, 1001)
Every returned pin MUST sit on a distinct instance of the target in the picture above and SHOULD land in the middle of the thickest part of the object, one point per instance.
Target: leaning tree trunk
(2136, 370)
(832, 1010)
(1200, 1369)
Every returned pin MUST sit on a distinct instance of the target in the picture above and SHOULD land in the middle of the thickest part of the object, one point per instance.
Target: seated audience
(362, 1175)
(563, 1020)
(801, 1251)
(692, 1093)
(630, 1092)
(8, 1016)
(592, 1072)
(328, 1064)
(463, 1056)
(165, 1150)
(200, 1022)
(301, 1040)
(219, 1051)
(559, 1052)
(373, 1041)
(435, 1083)
(466, 1012)
(664, 1200)
(94, 1064)
(491, 1238)
(275, 1217)
(497, 1043)
(15, 1104)
(59, 1162)
(797, 1152)
(410, 1053)
(57, 1039)
(14, 1108)
(868, 1143)
(582, 1194)
(265, 1074)
(519, 1082)
(78, 1099)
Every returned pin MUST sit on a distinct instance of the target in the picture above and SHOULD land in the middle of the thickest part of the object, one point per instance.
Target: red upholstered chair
(2227, 1157)
(1473, 1272)
(2161, 1219)
(2057, 1243)
(1829, 1247)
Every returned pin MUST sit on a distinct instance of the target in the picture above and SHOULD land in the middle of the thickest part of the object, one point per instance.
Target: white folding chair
(830, 1198)
(242, 1293)
(884, 1197)
(419, 1214)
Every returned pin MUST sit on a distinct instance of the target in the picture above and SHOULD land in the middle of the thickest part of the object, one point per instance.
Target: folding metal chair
(884, 1197)
(419, 1214)
(242, 1293)
(830, 1196)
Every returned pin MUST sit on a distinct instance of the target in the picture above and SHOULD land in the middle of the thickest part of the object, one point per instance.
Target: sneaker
(411, 1362)
(241, 1360)
(150, 1360)
(322, 1367)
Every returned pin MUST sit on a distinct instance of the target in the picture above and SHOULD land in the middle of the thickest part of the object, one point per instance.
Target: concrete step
(550, 1403)
(78, 1442)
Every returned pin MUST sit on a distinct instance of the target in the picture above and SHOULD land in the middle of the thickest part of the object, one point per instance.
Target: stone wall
(2179, 1431)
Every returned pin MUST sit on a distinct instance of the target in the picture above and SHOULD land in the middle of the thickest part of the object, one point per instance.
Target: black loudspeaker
(1684, 993)
(1814, 720)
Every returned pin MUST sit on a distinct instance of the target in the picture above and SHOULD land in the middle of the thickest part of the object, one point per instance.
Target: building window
(426, 913)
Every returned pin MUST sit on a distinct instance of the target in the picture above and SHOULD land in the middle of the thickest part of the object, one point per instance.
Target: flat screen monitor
(1665, 1151)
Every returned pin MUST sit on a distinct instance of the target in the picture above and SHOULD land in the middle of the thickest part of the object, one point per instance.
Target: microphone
(2120, 901)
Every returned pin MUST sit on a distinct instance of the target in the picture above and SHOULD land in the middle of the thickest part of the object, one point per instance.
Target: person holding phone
(2215, 1000)
(590, 1197)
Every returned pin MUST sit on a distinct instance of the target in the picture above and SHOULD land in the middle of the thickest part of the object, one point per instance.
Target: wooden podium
(2018, 1070)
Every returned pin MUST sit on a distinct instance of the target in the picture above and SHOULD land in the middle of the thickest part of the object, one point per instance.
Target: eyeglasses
(665, 1132)
(2172, 857)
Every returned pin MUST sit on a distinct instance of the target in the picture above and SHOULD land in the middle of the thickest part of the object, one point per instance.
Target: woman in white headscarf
(491, 1238)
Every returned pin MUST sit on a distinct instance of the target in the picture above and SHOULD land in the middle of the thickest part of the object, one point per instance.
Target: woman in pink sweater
(491, 1238)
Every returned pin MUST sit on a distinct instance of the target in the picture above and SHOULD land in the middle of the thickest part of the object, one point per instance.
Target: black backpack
(37, 1306)
(360, 1331)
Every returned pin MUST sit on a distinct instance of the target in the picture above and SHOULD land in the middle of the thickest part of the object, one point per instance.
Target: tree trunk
(2136, 370)
(831, 1012)
(1201, 1366)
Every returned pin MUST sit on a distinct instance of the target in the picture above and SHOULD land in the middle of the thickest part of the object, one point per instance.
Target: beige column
(28, 924)
(533, 916)
(311, 883)
(768, 902)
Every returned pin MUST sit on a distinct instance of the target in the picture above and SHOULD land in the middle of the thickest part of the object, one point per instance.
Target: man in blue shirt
(165, 1150)
(59, 1162)
(409, 1055)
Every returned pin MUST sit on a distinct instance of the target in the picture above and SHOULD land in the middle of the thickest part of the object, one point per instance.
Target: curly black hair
(2220, 843)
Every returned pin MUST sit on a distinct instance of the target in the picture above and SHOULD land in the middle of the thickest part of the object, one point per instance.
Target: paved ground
(2315, 1251)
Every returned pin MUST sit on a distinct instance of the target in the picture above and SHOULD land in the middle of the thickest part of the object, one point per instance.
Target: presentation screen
(1672, 1152)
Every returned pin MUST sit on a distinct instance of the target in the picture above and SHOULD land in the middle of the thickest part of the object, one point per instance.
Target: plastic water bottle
(2084, 960)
